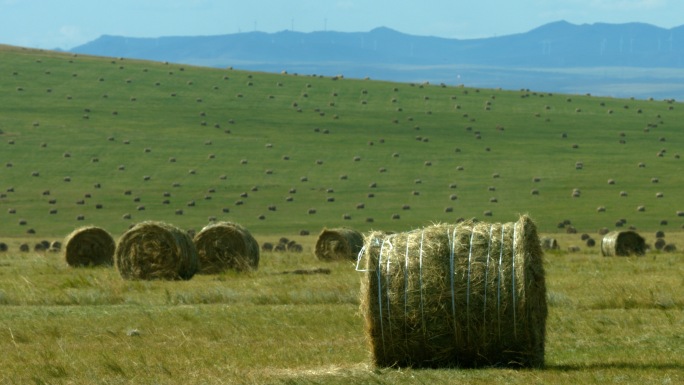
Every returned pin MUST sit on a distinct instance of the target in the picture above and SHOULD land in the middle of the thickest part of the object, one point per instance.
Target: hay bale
(549, 243)
(622, 244)
(338, 244)
(224, 245)
(3, 247)
(267, 246)
(89, 246)
(155, 250)
(468, 295)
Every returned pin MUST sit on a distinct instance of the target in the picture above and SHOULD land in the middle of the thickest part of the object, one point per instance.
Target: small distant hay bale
(24, 248)
(89, 246)
(338, 244)
(156, 251)
(670, 248)
(549, 243)
(622, 244)
(3, 247)
(659, 243)
(467, 295)
(225, 246)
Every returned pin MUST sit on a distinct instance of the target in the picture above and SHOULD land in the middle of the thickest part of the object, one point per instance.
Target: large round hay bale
(156, 250)
(224, 245)
(338, 244)
(466, 295)
(622, 244)
(89, 246)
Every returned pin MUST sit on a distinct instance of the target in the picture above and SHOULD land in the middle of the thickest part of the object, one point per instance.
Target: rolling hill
(111, 142)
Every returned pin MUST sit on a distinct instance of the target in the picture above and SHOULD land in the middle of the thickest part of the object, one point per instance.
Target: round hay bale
(467, 295)
(3, 247)
(548, 243)
(224, 245)
(659, 243)
(267, 246)
(89, 246)
(56, 246)
(338, 244)
(622, 244)
(155, 250)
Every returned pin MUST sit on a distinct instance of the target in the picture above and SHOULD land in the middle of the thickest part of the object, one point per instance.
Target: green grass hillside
(112, 142)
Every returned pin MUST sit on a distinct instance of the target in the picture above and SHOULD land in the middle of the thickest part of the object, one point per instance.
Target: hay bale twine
(224, 246)
(468, 295)
(89, 246)
(153, 250)
(622, 244)
(338, 244)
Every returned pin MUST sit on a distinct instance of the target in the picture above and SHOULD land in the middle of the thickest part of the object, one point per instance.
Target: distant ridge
(510, 61)
(558, 44)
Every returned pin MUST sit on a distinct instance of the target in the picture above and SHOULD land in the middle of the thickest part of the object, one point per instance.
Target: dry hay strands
(156, 251)
(89, 246)
(224, 245)
(622, 244)
(466, 295)
(338, 244)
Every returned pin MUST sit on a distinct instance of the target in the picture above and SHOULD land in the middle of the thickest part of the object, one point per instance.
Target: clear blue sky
(68, 23)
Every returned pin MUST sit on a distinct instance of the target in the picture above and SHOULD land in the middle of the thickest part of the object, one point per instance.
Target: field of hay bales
(297, 320)
(113, 142)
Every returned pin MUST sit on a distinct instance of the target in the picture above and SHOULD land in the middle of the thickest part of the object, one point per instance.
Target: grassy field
(111, 142)
(611, 320)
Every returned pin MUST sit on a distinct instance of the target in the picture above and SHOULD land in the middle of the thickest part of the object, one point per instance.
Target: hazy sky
(68, 23)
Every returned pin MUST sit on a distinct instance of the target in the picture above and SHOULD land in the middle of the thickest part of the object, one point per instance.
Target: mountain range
(632, 59)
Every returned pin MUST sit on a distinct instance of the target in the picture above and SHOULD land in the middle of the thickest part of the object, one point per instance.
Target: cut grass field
(117, 141)
(111, 142)
(611, 320)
